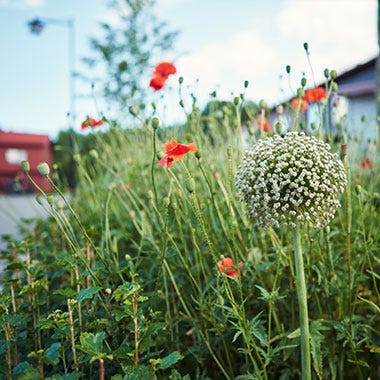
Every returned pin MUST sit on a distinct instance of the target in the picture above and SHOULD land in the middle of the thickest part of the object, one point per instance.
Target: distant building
(16, 147)
(355, 103)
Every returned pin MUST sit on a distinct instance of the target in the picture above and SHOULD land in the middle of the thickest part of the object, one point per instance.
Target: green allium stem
(302, 304)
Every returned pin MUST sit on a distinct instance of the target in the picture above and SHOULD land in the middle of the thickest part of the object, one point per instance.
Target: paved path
(14, 208)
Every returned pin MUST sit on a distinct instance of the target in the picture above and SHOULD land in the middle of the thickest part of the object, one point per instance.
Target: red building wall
(15, 147)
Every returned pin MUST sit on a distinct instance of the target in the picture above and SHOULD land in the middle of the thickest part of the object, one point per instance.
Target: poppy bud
(326, 73)
(132, 214)
(278, 127)
(198, 154)
(160, 155)
(76, 157)
(288, 68)
(246, 83)
(55, 166)
(108, 291)
(166, 201)
(133, 111)
(303, 82)
(213, 94)
(333, 74)
(180, 80)
(306, 46)
(155, 123)
(190, 185)
(313, 126)
(174, 205)
(128, 257)
(229, 151)
(25, 167)
(60, 204)
(236, 100)
(43, 168)
(181, 103)
(149, 194)
(50, 199)
(262, 104)
(93, 154)
(40, 199)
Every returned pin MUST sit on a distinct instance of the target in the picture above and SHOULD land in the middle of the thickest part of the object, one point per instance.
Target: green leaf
(87, 293)
(53, 354)
(295, 334)
(91, 344)
(169, 360)
(257, 329)
(316, 338)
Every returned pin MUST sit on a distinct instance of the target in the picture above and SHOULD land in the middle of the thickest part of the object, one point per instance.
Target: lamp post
(37, 26)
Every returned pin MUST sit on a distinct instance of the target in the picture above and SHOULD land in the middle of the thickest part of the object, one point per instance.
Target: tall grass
(123, 282)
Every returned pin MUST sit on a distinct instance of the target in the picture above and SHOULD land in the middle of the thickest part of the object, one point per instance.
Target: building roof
(23, 140)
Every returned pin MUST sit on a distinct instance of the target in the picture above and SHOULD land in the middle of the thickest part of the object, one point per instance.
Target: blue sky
(221, 44)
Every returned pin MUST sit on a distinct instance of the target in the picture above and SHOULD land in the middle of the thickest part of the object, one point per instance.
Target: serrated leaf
(67, 292)
(237, 334)
(316, 338)
(91, 344)
(169, 360)
(87, 293)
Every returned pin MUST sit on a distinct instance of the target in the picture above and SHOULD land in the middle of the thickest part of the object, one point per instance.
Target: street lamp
(37, 26)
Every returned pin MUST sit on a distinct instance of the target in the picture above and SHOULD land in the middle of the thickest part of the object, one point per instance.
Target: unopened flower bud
(333, 74)
(40, 199)
(306, 46)
(334, 87)
(43, 168)
(128, 257)
(25, 167)
(246, 83)
(50, 199)
(149, 194)
(198, 154)
(160, 155)
(181, 103)
(93, 154)
(60, 204)
(303, 82)
(180, 80)
(326, 73)
(236, 100)
(76, 157)
(190, 185)
(278, 127)
(155, 123)
(288, 68)
(133, 111)
(166, 201)
(108, 291)
(313, 126)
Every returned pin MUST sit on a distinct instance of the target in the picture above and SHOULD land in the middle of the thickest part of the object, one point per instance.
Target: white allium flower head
(289, 179)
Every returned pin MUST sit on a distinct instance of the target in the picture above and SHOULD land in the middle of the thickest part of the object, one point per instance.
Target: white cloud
(22, 3)
(224, 66)
(339, 33)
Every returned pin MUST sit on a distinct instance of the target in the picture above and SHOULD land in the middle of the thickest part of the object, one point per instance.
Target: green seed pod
(303, 82)
(333, 74)
(60, 204)
(181, 103)
(180, 80)
(166, 201)
(306, 46)
(326, 73)
(25, 166)
(76, 158)
(155, 123)
(93, 154)
(236, 100)
(43, 168)
(198, 154)
(278, 127)
(288, 68)
(313, 126)
(190, 185)
(149, 194)
(246, 83)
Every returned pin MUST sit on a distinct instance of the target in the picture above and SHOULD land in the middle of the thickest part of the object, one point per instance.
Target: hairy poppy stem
(302, 304)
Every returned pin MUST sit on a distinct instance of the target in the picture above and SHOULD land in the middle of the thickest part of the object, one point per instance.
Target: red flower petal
(164, 69)
(157, 82)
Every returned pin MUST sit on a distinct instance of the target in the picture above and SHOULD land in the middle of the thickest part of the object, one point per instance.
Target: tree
(128, 51)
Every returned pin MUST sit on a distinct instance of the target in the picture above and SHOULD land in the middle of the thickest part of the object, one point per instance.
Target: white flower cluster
(288, 179)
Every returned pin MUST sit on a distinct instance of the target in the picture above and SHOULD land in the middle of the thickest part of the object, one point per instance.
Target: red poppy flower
(366, 163)
(304, 104)
(157, 82)
(91, 122)
(263, 124)
(175, 152)
(160, 75)
(227, 267)
(315, 95)
(165, 69)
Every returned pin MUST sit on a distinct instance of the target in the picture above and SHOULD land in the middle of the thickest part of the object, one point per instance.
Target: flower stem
(302, 305)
